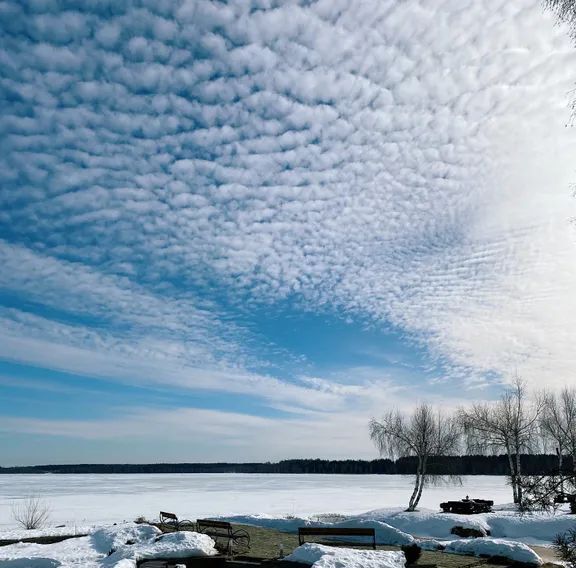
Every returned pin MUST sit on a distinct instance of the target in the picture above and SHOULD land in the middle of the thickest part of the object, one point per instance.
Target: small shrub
(412, 553)
(468, 532)
(31, 513)
(141, 520)
(565, 547)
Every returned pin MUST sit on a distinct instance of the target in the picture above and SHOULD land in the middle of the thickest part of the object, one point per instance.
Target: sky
(236, 231)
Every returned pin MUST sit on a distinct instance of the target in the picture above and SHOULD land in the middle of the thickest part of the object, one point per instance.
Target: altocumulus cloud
(402, 161)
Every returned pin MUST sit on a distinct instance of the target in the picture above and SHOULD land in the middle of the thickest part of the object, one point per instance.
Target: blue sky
(227, 226)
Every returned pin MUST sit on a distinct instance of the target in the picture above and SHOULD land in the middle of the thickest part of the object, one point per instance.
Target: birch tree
(558, 423)
(511, 425)
(423, 434)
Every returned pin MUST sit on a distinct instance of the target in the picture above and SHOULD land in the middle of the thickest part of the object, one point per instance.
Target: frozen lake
(87, 499)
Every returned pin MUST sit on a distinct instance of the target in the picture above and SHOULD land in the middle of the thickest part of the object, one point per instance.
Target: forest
(536, 464)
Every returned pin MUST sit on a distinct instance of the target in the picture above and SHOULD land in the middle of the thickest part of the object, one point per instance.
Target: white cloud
(402, 161)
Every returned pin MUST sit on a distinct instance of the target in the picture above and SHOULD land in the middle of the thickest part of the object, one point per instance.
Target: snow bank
(488, 547)
(330, 557)
(130, 543)
(530, 528)
(19, 534)
(172, 545)
(30, 563)
(395, 526)
(110, 538)
(385, 534)
(73, 552)
(284, 524)
(427, 523)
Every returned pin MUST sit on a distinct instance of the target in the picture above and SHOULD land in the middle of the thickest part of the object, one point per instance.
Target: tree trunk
(417, 488)
(513, 480)
(422, 482)
(560, 467)
(518, 477)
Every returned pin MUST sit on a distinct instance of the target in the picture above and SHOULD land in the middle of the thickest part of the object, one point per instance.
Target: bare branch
(424, 435)
(31, 513)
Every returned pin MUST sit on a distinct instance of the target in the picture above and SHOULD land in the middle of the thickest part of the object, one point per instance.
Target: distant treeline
(448, 465)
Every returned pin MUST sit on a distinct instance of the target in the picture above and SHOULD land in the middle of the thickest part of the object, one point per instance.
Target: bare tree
(565, 10)
(31, 513)
(511, 424)
(558, 423)
(424, 434)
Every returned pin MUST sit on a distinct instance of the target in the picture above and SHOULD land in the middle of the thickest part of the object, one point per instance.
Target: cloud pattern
(405, 162)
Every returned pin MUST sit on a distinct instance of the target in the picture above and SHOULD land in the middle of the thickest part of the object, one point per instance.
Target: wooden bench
(190, 562)
(333, 532)
(467, 506)
(237, 540)
(169, 521)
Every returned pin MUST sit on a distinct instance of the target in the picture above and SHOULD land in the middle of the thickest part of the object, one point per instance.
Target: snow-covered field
(99, 499)
(283, 502)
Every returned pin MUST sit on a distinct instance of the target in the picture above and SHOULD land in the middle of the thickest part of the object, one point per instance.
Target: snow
(530, 528)
(110, 538)
(425, 522)
(385, 534)
(395, 526)
(105, 499)
(129, 543)
(73, 552)
(487, 547)
(66, 530)
(321, 556)
(283, 502)
(173, 545)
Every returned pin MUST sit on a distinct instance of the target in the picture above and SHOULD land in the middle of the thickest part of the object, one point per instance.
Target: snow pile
(385, 534)
(74, 552)
(283, 524)
(427, 523)
(172, 545)
(110, 538)
(129, 543)
(530, 528)
(490, 547)
(321, 556)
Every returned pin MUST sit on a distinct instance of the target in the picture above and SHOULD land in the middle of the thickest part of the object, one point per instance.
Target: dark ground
(265, 543)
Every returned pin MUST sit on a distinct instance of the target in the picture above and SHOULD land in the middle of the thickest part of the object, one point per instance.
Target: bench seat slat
(325, 531)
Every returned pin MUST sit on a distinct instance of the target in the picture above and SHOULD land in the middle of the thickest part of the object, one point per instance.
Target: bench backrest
(220, 527)
(331, 531)
(165, 515)
(337, 532)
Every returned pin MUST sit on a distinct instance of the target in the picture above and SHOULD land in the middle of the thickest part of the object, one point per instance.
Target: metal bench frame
(237, 540)
(171, 521)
